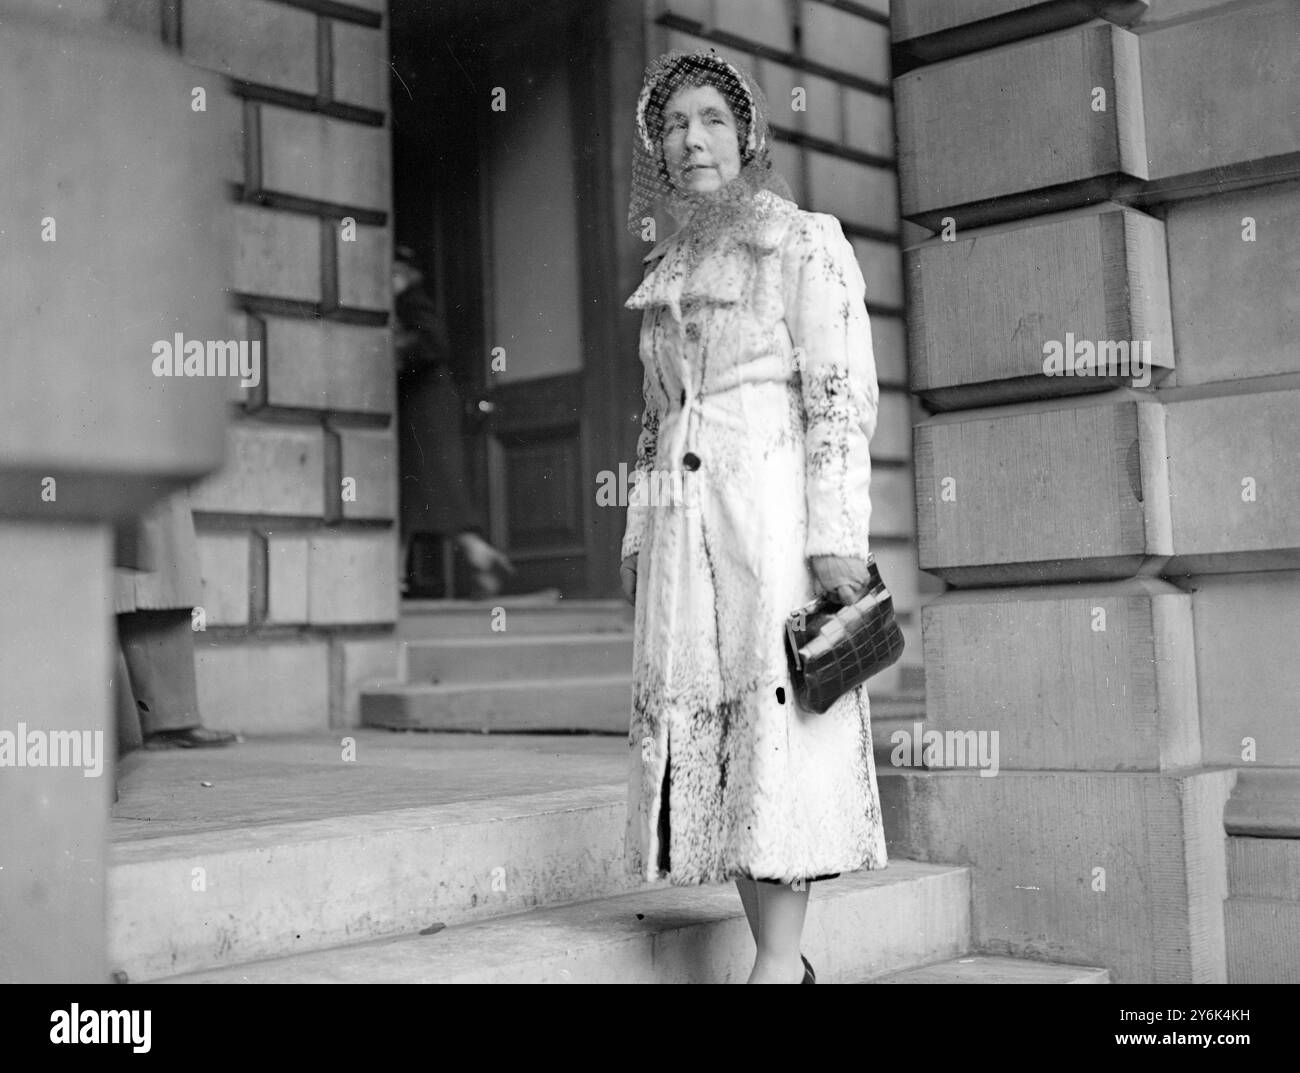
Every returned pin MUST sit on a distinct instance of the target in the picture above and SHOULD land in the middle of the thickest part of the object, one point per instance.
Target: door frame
(607, 388)
(604, 100)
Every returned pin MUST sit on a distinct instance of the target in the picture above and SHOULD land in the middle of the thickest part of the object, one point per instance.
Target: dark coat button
(691, 461)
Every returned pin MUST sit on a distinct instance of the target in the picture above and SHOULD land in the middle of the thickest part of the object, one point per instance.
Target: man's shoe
(190, 738)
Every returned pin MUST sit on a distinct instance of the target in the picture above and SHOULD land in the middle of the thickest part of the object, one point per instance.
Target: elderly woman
(751, 497)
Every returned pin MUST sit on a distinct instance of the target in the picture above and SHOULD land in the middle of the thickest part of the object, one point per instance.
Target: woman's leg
(749, 899)
(781, 911)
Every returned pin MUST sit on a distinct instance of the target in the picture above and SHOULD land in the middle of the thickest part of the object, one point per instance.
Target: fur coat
(760, 399)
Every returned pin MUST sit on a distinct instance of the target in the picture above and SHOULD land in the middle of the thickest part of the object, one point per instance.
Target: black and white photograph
(650, 491)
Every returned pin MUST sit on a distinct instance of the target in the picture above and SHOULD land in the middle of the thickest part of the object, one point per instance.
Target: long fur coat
(760, 400)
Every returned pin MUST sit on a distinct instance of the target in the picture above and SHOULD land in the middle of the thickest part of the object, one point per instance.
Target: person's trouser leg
(159, 651)
(128, 716)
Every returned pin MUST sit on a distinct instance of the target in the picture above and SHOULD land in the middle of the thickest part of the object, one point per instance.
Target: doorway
(505, 189)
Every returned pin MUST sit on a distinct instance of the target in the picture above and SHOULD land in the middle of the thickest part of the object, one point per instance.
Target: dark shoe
(809, 977)
(191, 738)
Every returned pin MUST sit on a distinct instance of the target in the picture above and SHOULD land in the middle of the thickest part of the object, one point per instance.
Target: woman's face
(701, 146)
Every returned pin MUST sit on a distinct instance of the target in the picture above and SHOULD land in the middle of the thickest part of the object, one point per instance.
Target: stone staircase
(505, 888)
(1262, 911)
(463, 858)
(533, 663)
(539, 663)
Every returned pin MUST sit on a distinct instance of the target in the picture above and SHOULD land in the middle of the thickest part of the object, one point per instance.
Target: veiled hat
(651, 185)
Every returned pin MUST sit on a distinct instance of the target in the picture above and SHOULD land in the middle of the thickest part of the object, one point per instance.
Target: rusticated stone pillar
(113, 236)
(1109, 180)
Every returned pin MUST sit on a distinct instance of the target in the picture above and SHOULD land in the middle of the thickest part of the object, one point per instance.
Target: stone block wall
(1123, 540)
(297, 539)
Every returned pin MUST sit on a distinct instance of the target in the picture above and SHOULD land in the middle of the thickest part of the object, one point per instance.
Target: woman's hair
(696, 70)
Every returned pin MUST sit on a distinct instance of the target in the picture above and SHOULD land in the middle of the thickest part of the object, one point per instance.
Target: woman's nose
(695, 134)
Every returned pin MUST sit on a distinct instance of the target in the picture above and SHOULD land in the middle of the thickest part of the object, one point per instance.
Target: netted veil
(651, 186)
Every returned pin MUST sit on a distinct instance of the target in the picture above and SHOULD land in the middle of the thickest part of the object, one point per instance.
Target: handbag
(833, 647)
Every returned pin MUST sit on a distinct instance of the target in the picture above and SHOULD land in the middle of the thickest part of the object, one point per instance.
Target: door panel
(533, 317)
(541, 507)
(534, 227)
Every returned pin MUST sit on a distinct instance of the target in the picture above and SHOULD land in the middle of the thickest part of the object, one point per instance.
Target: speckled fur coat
(760, 399)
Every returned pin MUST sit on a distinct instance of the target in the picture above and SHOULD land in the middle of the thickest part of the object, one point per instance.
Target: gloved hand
(627, 572)
(845, 576)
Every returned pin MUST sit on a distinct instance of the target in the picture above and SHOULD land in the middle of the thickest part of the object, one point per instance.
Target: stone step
(985, 969)
(1263, 867)
(422, 619)
(577, 702)
(567, 655)
(282, 888)
(1262, 911)
(1265, 803)
(891, 713)
(1263, 939)
(858, 926)
(595, 704)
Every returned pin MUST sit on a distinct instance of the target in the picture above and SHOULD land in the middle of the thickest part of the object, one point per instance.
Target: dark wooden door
(533, 309)
(519, 185)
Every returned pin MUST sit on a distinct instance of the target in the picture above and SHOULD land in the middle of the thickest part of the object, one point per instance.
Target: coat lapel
(717, 280)
(662, 283)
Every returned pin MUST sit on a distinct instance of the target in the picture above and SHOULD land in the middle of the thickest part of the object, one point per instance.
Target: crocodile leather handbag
(833, 647)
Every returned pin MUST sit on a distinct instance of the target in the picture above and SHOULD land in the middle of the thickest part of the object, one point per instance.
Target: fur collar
(671, 279)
